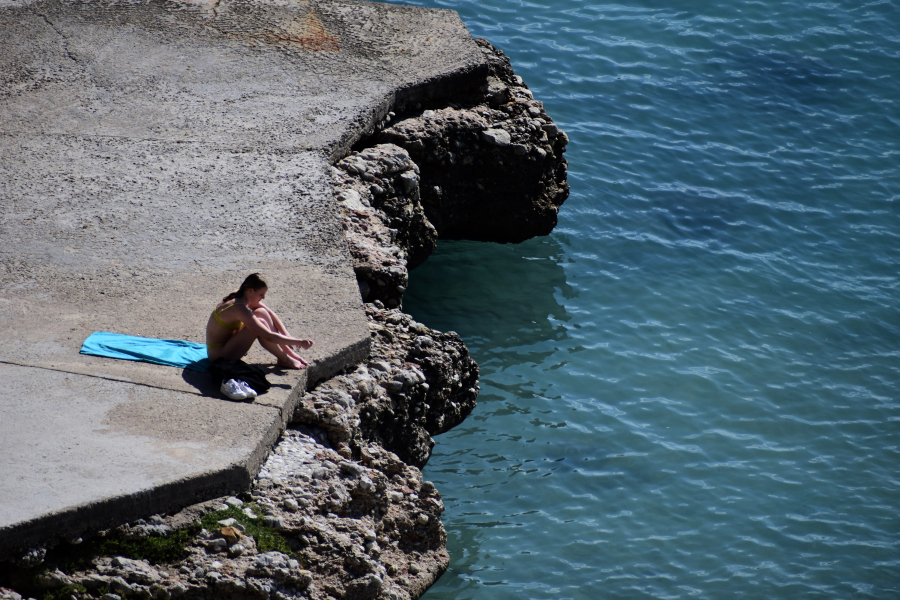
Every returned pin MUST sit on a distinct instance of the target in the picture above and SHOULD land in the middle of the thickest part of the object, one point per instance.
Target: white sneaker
(251, 393)
(232, 390)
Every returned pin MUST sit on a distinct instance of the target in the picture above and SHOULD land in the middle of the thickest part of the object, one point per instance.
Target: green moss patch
(69, 558)
(267, 538)
(153, 549)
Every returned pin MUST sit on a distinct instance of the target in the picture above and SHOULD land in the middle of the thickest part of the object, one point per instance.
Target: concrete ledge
(87, 452)
(152, 154)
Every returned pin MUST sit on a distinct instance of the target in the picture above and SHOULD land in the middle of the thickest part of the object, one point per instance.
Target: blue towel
(171, 353)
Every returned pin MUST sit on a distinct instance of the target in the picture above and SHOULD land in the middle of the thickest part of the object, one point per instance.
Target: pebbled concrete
(151, 155)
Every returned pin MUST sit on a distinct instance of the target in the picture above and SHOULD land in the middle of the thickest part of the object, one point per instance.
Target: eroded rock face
(365, 528)
(491, 172)
(417, 383)
(488, 166)
(386, 228)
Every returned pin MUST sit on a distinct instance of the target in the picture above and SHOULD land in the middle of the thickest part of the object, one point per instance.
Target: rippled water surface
(690, 389)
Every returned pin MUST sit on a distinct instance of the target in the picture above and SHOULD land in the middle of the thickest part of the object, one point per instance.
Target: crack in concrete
(61, 34)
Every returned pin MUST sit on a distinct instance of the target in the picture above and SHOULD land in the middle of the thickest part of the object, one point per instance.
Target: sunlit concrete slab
(152, 154)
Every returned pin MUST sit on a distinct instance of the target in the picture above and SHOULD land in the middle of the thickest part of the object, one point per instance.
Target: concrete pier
(152, 154)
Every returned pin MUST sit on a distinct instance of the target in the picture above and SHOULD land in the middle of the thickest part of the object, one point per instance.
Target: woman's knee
(264, 316)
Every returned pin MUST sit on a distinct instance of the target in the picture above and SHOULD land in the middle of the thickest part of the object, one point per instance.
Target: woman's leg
(279, 327)
(234, 347)
(284, 359)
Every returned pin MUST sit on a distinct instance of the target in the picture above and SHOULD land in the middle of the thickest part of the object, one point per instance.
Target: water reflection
(512, 294)
(515, 326)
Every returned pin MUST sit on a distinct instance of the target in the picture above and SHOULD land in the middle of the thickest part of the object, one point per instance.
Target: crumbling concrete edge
(428, 90)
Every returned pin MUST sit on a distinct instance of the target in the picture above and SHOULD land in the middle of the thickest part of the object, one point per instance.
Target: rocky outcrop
(418, 382)
(487, 166)
(383, 219)
(491, 164)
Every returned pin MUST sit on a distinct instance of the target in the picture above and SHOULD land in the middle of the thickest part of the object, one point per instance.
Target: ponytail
(254, 281)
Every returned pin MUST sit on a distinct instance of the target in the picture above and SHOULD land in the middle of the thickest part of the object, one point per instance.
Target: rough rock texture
(385, 225)
(418, 382)
(491, 171)
(509, 149)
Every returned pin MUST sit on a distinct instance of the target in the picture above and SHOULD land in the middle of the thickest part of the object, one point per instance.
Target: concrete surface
(152, 154)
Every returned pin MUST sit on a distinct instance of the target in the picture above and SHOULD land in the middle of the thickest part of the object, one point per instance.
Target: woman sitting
(242, 318)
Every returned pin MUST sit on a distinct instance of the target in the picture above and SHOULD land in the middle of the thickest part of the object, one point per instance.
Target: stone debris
(8, 594)
(498, 137)
(231, 535)
(152, 526)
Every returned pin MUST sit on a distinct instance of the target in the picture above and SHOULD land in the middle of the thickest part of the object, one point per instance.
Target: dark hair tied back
(254, 281)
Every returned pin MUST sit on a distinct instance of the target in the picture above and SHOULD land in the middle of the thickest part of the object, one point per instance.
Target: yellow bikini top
(230, 326)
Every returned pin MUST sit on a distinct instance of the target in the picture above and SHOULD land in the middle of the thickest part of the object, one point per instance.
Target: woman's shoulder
(228, 305)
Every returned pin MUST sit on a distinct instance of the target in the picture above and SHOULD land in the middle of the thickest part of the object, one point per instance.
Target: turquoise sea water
(691, 389)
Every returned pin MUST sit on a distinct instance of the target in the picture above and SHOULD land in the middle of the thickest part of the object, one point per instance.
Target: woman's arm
(261, 330)
(280, 328)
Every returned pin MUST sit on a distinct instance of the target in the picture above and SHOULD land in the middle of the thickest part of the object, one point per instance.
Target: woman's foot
(291, 363)
(291, 354)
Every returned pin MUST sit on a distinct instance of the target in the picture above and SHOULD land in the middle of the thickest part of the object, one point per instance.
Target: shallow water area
(690, 389)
